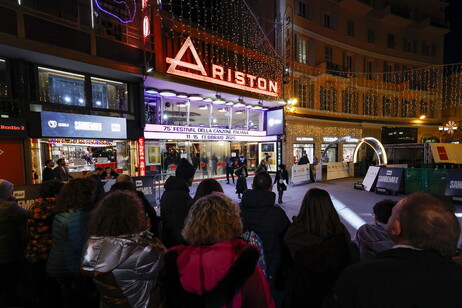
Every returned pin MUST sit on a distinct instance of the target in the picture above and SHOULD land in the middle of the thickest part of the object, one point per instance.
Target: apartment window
(395, 108)
(328, 20)
(300, 92)
(301, 50)
(387, 72)
(328, 99)
(349, 102)
(433, 50)
(311, 101)
(300, 8)
(59, 87)
(370, 104)
(415, 46)
(391, 41)
(409, 109)
(368, 69)
(406, 45)
(351, 28)
(328, 54)
(109, 94)
(370, 36)
(386, 107)
(406, 73)
(424, 108)
(425, 49)
(3, 79)
(347, 62)
(432, 110)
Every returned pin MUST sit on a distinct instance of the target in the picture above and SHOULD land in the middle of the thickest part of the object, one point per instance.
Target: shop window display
(61, 87)
(254, 119)
(109, 94)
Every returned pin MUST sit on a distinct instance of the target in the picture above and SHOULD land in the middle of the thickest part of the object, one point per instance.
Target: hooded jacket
(224, 274)
(125, 268)
(372, 239)
(261, 215)
(12, 231)
(174, 207)
(314, 266)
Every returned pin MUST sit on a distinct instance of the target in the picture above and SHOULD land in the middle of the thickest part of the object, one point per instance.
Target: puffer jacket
(314, 265)
(372, 239)
(39, 226)
(68, 238)
(261, 215)
(174, 207)
(224, 274)
(125, 268)
(12, 231)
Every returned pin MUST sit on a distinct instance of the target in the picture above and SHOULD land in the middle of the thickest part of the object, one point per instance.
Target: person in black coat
(48, 174)
(175, 203)
(230, 165)
(241, 184)
(418, 271)
(281, 180)
(261, 215)
(303, 160)
(242, 163)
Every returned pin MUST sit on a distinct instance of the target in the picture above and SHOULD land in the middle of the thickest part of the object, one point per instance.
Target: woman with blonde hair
(218, 268)
(261, 167)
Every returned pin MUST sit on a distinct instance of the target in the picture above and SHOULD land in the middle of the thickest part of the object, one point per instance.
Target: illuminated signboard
(275, 122)
(141, 153)
(10, 127)
(310, 139)
(124, 11)
(171, 132)
(220, 75)
(55, 124)
(329, 139)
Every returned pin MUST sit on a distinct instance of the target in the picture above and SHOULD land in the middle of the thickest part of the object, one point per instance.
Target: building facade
(357, 66)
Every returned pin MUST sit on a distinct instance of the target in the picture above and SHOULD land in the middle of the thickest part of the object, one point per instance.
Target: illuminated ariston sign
(220, 75)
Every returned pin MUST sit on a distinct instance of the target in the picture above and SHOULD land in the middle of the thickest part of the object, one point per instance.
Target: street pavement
(354, 206)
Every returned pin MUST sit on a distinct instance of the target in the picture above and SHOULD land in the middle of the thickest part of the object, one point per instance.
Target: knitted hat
(185, 170)
(6, 190)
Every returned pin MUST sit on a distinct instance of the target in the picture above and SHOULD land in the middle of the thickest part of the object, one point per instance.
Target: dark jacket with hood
(313, 265)
(12, 231)
(125, 268)
(174, 208)
(224, 274)
(372, 239)
(260, 214)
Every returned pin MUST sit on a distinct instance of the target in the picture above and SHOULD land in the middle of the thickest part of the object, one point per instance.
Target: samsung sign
(56, 124)
(275, 122)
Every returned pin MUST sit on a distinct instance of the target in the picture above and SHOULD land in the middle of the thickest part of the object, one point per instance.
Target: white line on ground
(346, 213)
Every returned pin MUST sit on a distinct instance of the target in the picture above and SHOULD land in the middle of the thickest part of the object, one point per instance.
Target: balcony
(431, 26)
(333, 69)
(358, 6)
(394, 15)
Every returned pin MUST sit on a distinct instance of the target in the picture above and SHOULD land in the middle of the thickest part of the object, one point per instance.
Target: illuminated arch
(324, 154)
(376, 146)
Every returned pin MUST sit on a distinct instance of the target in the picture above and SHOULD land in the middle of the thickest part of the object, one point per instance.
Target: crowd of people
(76, 247)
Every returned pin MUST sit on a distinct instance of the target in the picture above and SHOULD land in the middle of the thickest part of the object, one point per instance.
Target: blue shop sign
(55, 124)
(390, 178)
(454, 183)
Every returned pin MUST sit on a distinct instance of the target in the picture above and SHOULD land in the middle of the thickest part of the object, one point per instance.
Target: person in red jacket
(218, 268)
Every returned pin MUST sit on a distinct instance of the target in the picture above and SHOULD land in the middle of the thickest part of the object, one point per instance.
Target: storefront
(303, 145)
(85, 142)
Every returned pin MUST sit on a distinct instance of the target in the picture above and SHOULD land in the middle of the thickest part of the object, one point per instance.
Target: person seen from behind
(216, 268)
(418, 271)
(373, 238)
(123, 258)
(206, 187)
(318, 245)
(175, 203)
(69, 233)
(261, 215)
(241, 183)
(12, 241)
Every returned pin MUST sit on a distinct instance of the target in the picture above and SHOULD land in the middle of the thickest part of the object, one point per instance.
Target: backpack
(253, 239)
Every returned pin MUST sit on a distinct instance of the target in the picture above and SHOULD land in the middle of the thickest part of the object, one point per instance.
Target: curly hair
(206, 187)
(212, 219)
(119, 213)
(318, 214)
(76, 194)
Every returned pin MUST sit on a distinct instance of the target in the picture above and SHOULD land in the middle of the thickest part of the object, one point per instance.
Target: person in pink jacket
(218, 268)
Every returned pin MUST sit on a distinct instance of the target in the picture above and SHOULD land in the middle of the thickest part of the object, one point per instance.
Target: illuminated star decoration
(131, 9)
(451, 125)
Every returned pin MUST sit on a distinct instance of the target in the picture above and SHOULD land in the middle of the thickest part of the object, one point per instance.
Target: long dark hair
(119, 213)
(206, 187)
(76, 194)
(318, 214)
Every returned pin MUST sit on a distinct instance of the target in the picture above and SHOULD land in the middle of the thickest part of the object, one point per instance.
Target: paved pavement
(354, 206)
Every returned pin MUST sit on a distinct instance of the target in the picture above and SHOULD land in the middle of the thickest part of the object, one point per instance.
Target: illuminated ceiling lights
(151, 91)
(181, 95)
(248, 106)
(218, 100)
(222, 110)
(238, 112)
(257, 107)
(229, 104)
(195, 97)
(167, 93)
(208, 100)
(203, 107)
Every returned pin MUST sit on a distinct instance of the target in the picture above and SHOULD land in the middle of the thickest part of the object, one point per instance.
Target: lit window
(109, 94)
(61, 87)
